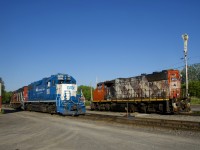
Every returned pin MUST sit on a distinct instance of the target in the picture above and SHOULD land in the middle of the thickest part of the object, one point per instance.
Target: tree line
(6, 96)
(193, 80)
(193, 86)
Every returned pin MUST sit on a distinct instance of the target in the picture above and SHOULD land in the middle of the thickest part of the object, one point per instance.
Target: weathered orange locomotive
(156, 92)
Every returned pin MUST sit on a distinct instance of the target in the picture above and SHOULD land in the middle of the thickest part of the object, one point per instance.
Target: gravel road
(39, 131)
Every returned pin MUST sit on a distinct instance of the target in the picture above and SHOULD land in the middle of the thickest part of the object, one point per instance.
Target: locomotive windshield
(99, 86)
(60, 81)
(64, 82)
(173, 79)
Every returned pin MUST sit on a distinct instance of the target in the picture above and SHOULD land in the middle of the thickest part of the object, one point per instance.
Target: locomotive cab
(174, 84)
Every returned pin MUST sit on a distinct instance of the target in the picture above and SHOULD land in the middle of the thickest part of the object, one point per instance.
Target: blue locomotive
(56, 94)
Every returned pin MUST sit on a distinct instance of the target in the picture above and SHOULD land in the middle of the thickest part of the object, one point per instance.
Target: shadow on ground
(10, 110)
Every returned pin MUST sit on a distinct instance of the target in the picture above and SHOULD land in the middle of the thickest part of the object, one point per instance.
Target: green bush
(87, 103)
(195, 100)
(193, 88)
(86, 91)
(2, 111)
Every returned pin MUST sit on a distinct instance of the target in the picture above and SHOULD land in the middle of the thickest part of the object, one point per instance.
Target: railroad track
(193, 113)
(131, 120)
(155, 123)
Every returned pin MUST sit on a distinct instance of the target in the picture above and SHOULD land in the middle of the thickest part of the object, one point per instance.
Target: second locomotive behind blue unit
(56, 94)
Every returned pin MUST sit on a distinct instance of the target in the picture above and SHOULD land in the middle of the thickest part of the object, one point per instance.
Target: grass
(195, 100)
(87, 103)
(2, 111)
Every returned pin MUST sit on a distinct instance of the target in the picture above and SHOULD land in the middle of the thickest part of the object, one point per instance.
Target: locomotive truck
(156, 92)
(55, 94)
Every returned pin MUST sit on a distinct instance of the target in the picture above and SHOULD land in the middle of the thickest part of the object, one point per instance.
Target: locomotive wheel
(98, 107)
(29, 108)
(92, 106)
(132, 108)
(107, 107)
(145, 108)
(102, 107)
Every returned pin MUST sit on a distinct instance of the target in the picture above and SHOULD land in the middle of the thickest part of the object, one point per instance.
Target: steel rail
(151, 122)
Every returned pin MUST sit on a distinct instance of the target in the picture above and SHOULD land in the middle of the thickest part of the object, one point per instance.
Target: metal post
(127, 109)
(185, 39)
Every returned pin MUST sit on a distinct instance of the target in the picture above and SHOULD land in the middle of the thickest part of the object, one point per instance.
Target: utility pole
(91, 93)
(185, 39)
(0, 98)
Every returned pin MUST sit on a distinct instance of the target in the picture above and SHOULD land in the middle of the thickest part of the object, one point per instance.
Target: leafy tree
(193, 79)
(193, 73)
(86, 90)
(193, 88)
(6, 96)
(2, 89)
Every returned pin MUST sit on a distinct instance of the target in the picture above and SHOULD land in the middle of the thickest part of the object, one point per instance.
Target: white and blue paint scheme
(56, 94)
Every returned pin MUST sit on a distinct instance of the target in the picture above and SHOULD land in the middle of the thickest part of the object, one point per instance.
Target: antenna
(96, 80)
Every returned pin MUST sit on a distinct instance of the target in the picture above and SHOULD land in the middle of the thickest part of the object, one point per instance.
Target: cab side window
(48, 84)
(53, 83)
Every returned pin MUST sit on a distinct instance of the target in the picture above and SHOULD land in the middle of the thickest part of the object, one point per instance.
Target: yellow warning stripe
(132, 100)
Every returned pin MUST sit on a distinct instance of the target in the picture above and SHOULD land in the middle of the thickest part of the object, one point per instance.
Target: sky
(94, 40)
